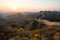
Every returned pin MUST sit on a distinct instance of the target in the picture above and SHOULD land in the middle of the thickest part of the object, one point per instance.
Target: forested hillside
(26, 27)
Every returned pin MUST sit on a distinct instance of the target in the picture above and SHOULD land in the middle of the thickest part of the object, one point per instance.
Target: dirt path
(49, 23)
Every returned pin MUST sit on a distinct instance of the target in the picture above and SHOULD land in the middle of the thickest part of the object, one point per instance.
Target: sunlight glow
(14, 8)
(27, 5)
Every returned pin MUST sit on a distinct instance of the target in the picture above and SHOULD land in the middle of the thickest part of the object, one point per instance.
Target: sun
(14, 7)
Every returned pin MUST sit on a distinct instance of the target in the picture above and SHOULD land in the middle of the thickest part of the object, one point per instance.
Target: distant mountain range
(24, 17)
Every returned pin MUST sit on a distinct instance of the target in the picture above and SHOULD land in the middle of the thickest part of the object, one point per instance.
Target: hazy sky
(24, 5)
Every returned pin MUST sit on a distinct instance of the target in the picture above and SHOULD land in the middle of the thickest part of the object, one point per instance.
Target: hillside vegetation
(43, 25)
